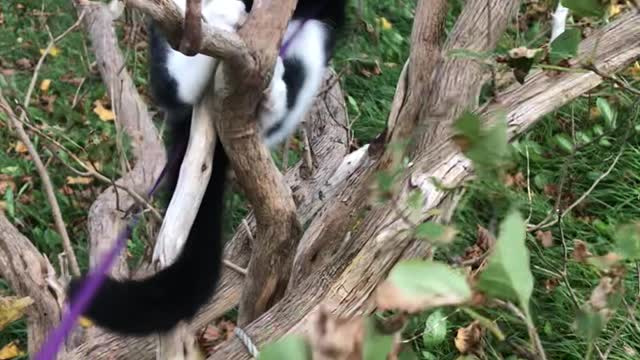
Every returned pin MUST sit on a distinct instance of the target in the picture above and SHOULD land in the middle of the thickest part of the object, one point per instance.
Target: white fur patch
(308, 47)
(192, 73)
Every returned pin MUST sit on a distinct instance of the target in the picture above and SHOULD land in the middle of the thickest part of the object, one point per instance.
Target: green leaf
(435, 233)
(589, 324)
(508, 274)
(485, 147)
(9, 199)
(565, 46)
(585, 7)
(435, 329)
(605, 110)
(287, 348)
(627, 239)
(417, 285)
(376, 345)
(564, 142)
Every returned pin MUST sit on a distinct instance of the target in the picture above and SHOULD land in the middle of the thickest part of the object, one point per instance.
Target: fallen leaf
(47, 102)
(334, 338)
(517, 180)
(10, 351)
(551, 284)
(24, 64)
(468, 339)
(6, 182)
(85, 322)
(484, 238)
(70, 78)
(545, 238)
(45, 84)
(103, 113)
(386, 24)
(580, 251)
(20, 147)
(79, 180)
(12, 308)
(600, 295)
(54, 51)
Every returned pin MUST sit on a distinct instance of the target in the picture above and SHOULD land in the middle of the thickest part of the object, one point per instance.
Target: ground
(369, 61)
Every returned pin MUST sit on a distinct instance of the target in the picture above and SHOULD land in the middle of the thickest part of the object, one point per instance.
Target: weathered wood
(134, 120)
(382, 238)
(30, 274)
(215, 43)
(329, 141)
(238, 94)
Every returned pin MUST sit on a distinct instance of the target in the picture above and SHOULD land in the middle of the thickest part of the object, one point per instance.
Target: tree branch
(30, 274)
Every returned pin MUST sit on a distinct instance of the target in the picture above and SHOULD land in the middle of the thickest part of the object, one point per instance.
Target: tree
(348, 247)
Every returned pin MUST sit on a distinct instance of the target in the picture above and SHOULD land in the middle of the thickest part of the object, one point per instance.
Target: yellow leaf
(85, 323)
(386, 24)
(10, 351)
(54, 51)
(20, 147)
(45, 84)
(103, 113)
(614, 9)
(634, 71)
(12, 308)
(79, 180)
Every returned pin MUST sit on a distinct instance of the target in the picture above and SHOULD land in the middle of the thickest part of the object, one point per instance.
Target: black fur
(176, 293)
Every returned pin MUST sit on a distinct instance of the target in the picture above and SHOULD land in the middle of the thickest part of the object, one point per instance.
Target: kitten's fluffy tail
(175, 293)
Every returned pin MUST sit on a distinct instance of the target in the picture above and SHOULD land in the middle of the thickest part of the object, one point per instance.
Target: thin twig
(46, 184)
(92, 171)
(236, 268)
(615, 79)
(533, 332)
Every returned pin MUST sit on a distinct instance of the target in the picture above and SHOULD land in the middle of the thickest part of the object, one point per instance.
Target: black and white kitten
(177, 292)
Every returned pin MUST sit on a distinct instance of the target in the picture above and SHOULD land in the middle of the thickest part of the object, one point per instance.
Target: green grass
(369, 60)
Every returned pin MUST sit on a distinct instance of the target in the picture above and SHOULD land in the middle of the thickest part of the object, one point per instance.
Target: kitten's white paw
(274, 103)
(225, 14)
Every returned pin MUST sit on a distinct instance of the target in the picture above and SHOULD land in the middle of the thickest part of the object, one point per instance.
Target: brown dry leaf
(469, 339)
(6, 182)
(103, 113)
(214, 335)
(333, 338)
(79, 180)
(545, 238)
(70, 78)
(47, 102)
(10, 351)
(600, 295)
(20, 147)
(484, 238)
(45, 85)
(517, 180)
(12, 308)
(550, 190)
(24, 64)
(580, 251)
(551, 284)
(67, 190)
